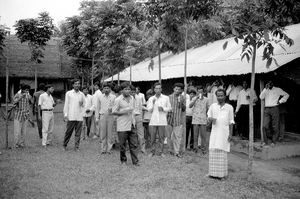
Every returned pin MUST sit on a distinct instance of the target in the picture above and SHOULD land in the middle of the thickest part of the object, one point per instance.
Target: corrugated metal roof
(212, 60)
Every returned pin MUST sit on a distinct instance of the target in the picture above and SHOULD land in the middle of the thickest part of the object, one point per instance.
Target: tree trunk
(159, 63)
(118, 78)
(185, 84)
(6, 105)
(92, 82)
(262, 109)
(35, 77)
(251, 116)
(130, 72)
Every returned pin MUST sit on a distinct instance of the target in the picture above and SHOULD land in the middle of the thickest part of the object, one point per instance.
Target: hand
(66, 119)
(229, 138)
(160, 108)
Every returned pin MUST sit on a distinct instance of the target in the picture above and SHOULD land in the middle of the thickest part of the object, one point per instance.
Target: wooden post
(185, 85)
(262, 110)
(6, 105)
(159, 63)
(118, 78)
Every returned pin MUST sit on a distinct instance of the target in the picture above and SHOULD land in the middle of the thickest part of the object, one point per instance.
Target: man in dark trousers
(36, 97)
(123, 108)
(73, 113)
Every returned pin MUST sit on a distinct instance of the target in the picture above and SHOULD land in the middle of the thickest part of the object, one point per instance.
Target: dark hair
(48, 86)
(117, 88)
(157, 84)
(200, 87)
(138, 88)
(84, 87)
(149, 92)
(125, 85)
(180, 85)
(74, 80)
(133, 87)
(42, 87)
(23, 86)
(221, 90)
(193, 91)
(97, 84)
(106, 84)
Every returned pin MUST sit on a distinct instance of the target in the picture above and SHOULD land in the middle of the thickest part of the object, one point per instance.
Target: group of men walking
(124, 113)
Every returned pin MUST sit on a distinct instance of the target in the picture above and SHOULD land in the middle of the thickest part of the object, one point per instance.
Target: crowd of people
(146, 124)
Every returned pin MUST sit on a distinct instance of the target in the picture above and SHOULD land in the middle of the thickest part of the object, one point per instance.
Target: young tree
(36, 32)
(260, 24)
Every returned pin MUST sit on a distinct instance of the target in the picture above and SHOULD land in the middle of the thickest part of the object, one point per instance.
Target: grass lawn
(35, 172)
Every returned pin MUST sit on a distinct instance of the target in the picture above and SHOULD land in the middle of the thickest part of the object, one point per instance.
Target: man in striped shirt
(22, 102)
(175, 121)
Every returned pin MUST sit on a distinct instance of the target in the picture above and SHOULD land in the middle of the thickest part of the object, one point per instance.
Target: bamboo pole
(159, 63)
(93, 62)
(185, 84)
(130, 73)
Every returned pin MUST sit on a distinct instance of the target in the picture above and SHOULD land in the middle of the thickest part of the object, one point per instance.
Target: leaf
(234, 32)
(236, 40)
(269, 62)
(225, 45)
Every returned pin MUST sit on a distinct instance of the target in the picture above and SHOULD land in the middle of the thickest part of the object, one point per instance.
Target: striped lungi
(218, 163)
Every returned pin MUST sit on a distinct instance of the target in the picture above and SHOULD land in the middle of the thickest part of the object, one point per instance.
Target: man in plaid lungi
(222, 118)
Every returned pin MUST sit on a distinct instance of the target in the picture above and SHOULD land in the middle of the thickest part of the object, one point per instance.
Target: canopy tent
(212, 60)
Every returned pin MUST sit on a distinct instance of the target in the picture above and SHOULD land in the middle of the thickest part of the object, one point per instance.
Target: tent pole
(262, 109)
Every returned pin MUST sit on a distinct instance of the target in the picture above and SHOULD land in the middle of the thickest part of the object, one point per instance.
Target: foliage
(36, 32)
(261, 24)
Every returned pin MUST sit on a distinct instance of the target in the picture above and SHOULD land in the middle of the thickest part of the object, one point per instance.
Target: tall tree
(35, 31)
(260, 24)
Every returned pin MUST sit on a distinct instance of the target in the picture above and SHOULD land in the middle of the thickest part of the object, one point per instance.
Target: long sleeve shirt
(178, 105)
(96, 98)
(105, 102)
(273, 96)
(72, 108)
(244, 98)
(233, 92)
(159, 118)
(22, 105)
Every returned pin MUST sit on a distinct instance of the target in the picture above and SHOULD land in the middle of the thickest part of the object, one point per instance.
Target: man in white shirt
(46, 105)
(159, 105)
(242, 111)
(96, 98)
(221, 116)
(104, 112)
(141, 95)
(73, 113)
(273, 97)
(87, 112)
(189, 117)
(232, 92)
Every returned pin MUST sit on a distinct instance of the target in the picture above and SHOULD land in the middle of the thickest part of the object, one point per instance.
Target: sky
(13, 10)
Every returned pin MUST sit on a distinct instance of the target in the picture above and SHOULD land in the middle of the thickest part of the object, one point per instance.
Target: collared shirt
(273, 96)
(142, 96)
(125, 121)
(138, 103)
(212, 97)
(88, 106)
(220, 130)
(159, 118)
(104, 103)
(178, 106)
(200, 109)
(244, 98)
(188, 111)
(46, 101)
(36, 97)
(96, 97)
(233, 92)
(22, 106)
(72, 108)
(147, 114)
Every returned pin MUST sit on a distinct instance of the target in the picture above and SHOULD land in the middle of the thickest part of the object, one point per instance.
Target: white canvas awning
(212, 60)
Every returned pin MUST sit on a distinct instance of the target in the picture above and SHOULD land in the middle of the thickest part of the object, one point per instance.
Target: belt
(47, 109)
(271, 107)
